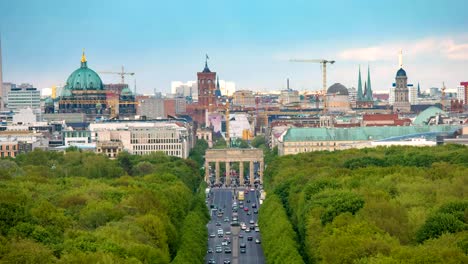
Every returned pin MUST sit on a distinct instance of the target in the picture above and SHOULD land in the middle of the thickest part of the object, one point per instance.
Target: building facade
(19, 98)
(243, 98)
(140, 138)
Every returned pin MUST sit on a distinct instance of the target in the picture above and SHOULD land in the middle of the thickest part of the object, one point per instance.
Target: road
(223, 198)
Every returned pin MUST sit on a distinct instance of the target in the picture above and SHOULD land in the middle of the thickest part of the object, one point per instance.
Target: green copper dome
(84, 78)
(126, 92)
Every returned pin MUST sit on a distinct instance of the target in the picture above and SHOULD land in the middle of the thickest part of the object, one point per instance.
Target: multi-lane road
(223, 198)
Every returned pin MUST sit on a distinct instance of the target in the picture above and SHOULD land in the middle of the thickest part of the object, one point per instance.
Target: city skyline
(248, 43)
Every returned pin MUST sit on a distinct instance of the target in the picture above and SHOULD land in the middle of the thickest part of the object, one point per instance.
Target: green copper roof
(425, 115)
(361, 133)
(126, 92)
(84, 78)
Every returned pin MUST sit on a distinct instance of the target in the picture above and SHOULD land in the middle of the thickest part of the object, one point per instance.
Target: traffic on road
(233, 232)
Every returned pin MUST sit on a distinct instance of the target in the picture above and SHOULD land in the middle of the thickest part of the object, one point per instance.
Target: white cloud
(446, 48)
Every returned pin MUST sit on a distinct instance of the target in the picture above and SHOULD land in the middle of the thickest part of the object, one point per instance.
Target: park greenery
(367, 206)
(80, 207)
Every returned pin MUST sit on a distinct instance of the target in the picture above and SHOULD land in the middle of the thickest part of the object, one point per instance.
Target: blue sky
(249, 42)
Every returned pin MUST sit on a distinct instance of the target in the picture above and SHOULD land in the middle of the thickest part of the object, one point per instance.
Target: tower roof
(401, 73)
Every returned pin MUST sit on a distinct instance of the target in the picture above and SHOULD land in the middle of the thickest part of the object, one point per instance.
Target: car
(224, 243)
(227, 261)
(249, 213)
(255, 211)
(248, 201)
(257, 229)
(218, 223)
(252, 227)
(220, 230)
(257, 241)
(249, 238)
(210, 250)
(227, 250)
(241, 236)
(242, 250)
(251, 222)
(252, 189)
(246, 209)
(226, 219)
(219, 249)
(243, 227)
(212, 235)
(241, 203)
(212, 261)
(256, 224)
(242, 245)
(228, 233)
(247, 230)
(254, 205)
(246, 191)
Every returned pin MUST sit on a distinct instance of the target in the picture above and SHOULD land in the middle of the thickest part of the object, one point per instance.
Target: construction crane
(324, 76)
(122, 73)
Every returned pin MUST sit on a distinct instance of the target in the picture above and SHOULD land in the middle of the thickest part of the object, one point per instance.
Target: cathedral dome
(401, 73)
(84, 78)
(337, 89)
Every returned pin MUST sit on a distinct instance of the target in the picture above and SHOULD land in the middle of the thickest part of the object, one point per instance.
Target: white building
(188, 89)
(140, 138)
(19, 98)
(391, 96)
(289, 97)
(412, 94)
(461, 93)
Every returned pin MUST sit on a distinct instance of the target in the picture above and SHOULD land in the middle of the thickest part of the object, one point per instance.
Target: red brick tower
(207, 88)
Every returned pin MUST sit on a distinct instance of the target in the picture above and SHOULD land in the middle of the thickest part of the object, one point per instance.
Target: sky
(248, 42)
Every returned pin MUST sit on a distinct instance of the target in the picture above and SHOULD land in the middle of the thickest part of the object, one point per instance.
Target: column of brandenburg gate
(230, 155)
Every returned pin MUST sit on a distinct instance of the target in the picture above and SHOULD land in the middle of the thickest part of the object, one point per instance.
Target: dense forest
(79, 207)
(368, 206)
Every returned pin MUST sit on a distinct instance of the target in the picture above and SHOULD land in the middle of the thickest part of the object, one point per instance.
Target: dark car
(210, 250)
(255, 211)
(249, 238)
(254, 205)
(218, 223)
(248, 201)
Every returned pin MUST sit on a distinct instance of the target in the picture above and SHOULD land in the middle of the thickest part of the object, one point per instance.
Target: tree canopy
(380, 205)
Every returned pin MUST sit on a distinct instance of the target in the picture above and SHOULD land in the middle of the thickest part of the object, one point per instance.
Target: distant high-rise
(1, 76)
(402, 103)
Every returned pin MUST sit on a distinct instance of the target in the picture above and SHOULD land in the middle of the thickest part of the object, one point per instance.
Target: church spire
(369, 87)
(419, 90)
(365, 92)
(359, 89)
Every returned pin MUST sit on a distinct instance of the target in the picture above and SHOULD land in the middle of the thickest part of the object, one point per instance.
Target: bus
(240, 196)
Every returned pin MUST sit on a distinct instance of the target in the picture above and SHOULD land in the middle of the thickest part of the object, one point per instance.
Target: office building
(19, 98)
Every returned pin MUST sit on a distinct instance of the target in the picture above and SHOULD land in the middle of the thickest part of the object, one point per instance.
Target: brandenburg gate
(229, 156)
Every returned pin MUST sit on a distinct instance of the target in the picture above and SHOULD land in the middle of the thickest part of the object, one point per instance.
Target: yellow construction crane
(122, 73)
(324, 76)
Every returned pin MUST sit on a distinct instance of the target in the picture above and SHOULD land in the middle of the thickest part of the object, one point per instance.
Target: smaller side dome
(49, 101)
(401, 73)
(126, 92)
(66, 92)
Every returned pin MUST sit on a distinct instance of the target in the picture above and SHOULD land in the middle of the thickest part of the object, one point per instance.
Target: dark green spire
(369, 96)
(419, 90)
(359, 86)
